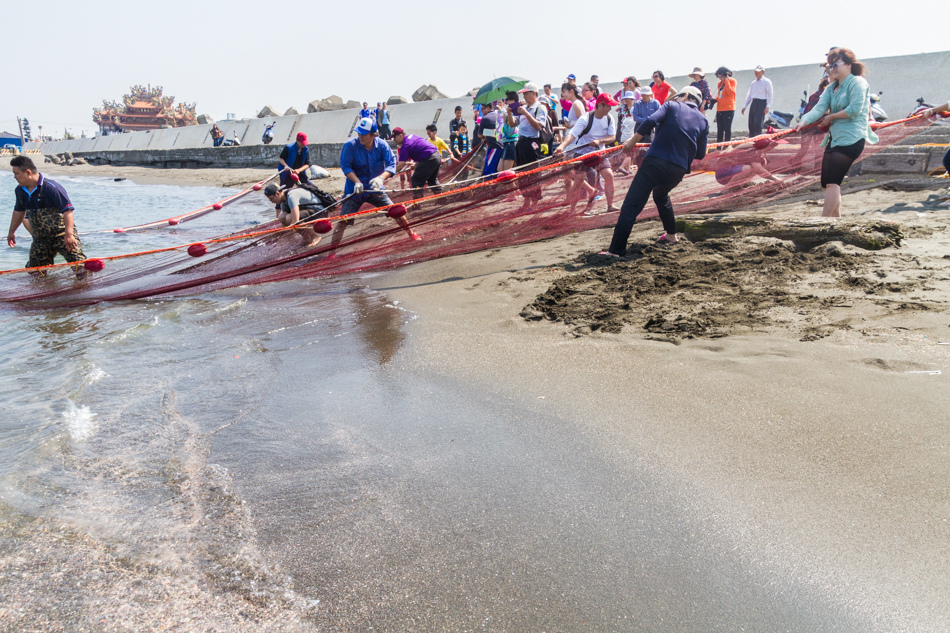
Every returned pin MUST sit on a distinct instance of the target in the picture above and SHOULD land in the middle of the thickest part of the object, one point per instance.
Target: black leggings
(946, 161)
(837, 161)
(724, 125)
(655, 176)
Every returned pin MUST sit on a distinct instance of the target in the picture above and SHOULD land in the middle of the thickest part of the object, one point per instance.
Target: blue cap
(571, 77)
(367, 125)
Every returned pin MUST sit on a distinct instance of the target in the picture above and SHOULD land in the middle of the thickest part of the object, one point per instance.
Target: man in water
(681, 132)
(367, 162)
(295, 205)
(294, 158)
(43, 208)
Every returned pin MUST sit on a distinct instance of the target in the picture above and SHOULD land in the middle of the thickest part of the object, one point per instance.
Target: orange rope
(376, 210)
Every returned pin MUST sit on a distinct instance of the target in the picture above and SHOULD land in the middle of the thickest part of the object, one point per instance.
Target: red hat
(301, 138)
(605, 98)
(398, 130)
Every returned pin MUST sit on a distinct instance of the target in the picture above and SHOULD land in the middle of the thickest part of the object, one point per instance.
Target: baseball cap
(630, 94)
(398, 130)
(760, 68)
(529, 87)
(270, 190)
(571, 76)
(367, 125)
(301, 138)
(605, 98)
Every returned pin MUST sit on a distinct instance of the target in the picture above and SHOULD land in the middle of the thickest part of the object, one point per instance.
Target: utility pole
(20, 124)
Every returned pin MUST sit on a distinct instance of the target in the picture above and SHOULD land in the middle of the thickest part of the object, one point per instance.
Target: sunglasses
(837, 64)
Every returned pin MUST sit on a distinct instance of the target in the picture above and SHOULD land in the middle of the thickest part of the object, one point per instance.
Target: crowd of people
(521, 129)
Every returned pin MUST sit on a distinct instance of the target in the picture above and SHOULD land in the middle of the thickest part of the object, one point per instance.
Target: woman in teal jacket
(843, 108)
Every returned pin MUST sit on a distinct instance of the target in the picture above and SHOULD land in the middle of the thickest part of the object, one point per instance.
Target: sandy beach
(780, 379)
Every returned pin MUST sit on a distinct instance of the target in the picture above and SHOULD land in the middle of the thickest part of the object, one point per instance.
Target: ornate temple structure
(143, 109)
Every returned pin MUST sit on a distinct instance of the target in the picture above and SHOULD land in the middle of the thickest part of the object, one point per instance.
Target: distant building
(143, 109)
(8, 138)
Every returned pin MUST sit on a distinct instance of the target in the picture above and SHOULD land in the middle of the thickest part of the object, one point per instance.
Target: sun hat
(646, 90)
(605, 98)
(630, 94)
(301, 138)
(697, 71)
(691, 92)
(529, 87)
(367, 125)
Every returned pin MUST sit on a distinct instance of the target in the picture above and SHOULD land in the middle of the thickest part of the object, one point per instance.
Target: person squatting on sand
(295, 205)
(367, 162)
(945, 107)
(44, 209)
(843, 108)
(681, 134)
(595, 130)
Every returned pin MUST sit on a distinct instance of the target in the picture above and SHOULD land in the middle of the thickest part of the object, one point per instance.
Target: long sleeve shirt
(852, 96)
(726, 101)
(683, 135)
(760, 89)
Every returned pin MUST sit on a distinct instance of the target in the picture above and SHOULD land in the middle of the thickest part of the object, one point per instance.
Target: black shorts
(837, 161)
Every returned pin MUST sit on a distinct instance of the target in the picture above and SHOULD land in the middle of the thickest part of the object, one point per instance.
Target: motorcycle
(877, 112)
(229, 142)
(776, 120)
(921, 106)
(268, 134)
(801, 108)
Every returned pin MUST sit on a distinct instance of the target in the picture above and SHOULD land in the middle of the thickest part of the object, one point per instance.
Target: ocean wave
(80, 422)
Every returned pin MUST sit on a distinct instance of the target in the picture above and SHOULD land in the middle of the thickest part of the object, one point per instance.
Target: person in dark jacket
(681, 136)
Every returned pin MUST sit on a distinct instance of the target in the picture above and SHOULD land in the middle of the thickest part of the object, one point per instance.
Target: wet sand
(725, 434)
(808, 437)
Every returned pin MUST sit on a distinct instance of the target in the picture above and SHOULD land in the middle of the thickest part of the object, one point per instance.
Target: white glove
(358, 187)
(377, 184)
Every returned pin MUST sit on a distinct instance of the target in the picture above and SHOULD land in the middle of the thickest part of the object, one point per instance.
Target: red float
(508, 174)
(197, 250)
(257, 187)
(173, 221)
(323, 226)
(93, 265)
(397, 211)
(762, 143)
(217, 206)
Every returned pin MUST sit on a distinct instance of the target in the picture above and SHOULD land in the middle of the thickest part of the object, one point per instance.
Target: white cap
(529, 87)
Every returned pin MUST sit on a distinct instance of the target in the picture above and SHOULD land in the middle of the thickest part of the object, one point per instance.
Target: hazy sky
(238, 56)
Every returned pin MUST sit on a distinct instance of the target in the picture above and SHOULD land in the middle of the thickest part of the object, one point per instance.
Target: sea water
(111, 413)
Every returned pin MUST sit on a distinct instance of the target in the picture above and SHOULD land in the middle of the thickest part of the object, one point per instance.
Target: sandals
(665, 239)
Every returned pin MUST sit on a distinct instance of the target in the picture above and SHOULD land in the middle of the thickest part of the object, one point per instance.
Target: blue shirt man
(367, 163)
(680, 140)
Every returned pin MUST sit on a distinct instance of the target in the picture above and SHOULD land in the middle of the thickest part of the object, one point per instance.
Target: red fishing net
(470, 215)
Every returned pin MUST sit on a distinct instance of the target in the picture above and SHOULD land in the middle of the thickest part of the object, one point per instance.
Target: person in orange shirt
(725, 104)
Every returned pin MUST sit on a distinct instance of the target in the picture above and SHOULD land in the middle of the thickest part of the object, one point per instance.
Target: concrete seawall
(902, 79)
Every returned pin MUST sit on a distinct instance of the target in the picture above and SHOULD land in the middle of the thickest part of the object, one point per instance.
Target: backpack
(326, 199)
(546, 133)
